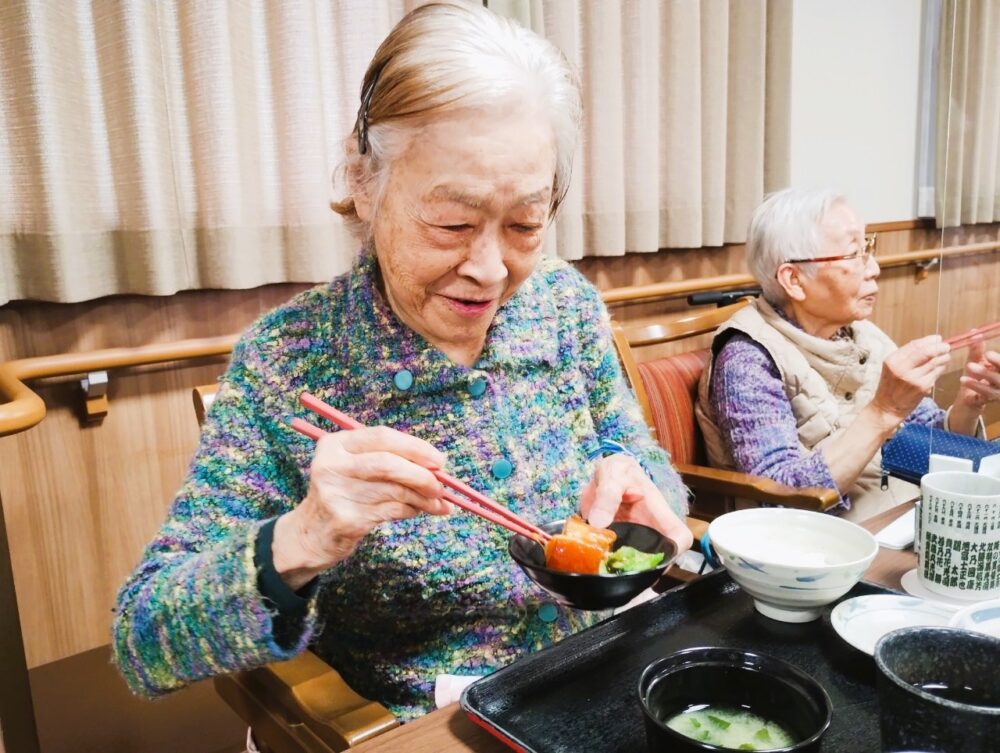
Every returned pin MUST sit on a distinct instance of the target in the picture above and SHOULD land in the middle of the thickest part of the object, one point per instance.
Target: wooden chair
(301, 705)
(667, 388)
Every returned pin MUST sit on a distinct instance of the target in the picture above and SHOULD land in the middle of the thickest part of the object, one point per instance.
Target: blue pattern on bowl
(986, 614)
(750, 566)
(811, 578)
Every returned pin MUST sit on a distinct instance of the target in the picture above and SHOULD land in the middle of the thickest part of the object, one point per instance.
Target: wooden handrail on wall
(634, 293)
(21, 408)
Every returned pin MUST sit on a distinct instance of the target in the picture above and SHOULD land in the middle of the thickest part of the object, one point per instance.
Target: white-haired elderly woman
(464, 347)
(802, 388)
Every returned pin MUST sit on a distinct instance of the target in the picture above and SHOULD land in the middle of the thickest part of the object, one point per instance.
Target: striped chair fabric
(671, 384)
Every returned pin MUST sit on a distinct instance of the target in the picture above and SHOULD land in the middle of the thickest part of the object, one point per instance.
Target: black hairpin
(366, 98)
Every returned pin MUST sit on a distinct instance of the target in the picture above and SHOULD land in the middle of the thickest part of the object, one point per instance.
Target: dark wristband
(289, 603)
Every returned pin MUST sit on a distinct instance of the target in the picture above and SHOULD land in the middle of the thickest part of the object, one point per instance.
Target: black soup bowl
(770, 688)
(582, 591)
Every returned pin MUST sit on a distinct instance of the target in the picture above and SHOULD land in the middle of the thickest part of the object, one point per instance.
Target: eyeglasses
(867, 251)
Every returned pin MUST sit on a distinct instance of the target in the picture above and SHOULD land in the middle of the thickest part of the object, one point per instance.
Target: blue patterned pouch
(907, 454)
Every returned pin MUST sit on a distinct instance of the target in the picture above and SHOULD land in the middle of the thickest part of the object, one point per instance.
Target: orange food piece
(580, 548)
(571, 555)
(578, 528)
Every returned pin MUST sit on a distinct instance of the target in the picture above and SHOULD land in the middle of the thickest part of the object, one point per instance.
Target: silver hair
(447, 57)
(786, 226)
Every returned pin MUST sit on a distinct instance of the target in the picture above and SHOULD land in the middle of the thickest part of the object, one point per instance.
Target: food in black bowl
(595, 591)
(719, 699)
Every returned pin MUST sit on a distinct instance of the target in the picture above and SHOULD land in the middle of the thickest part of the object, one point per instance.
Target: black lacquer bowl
(582, 591)
(768, 687)
(939, 690)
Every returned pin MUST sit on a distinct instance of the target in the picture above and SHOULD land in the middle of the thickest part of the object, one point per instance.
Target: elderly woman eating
(463, 348)
(802, 388)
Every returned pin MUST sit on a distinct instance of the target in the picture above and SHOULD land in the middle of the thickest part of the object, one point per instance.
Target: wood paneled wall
(81, 502)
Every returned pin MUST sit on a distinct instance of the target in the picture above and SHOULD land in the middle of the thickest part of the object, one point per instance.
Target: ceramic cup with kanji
(958, 535)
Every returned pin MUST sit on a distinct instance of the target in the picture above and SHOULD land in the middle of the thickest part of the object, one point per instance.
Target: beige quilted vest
(827, 382)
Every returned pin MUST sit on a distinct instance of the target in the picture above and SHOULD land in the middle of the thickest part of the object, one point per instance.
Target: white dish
(912, 585)
(791, 562)
(861, 621)
(983, 617)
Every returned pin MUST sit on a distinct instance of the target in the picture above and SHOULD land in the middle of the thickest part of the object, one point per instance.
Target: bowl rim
(960, 618)
(831, 520)
(800, 675)
(890, 675)
(931, 480)
(668, 559)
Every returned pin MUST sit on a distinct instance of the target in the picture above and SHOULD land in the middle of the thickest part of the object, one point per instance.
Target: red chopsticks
(476, 503)
(976, 333)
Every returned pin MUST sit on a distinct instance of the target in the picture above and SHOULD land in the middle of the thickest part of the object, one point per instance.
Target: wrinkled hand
(980, 381)
(909, 374)
(358, 479)
(621, 490)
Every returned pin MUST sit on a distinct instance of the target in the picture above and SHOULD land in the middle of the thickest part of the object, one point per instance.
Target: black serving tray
(581, 695)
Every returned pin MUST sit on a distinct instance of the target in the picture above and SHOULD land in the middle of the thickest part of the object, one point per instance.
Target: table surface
(448, 730)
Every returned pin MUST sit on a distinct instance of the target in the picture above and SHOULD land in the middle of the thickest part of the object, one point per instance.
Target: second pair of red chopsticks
(985, 332)
(476, 503)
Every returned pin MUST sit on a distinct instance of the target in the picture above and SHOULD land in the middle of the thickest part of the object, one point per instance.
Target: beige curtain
(686, 117)
(968, 114)
(155, 146)
(149, 146)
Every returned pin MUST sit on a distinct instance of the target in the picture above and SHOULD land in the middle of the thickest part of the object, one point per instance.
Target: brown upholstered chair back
(671, 386)
(667, 386)
(667, 390)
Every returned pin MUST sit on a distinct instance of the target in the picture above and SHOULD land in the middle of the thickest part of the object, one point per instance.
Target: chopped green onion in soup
(737, 729)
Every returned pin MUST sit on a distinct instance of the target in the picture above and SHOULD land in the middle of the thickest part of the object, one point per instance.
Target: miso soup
(728, 727)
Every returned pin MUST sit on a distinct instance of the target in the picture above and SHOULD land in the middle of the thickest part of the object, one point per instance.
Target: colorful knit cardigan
(419, 597)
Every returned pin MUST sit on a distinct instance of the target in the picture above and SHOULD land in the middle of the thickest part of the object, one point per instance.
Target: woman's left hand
(980, 382)
(621, 490)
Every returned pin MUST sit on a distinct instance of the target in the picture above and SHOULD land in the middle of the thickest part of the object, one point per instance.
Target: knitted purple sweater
(419, 597)
(749, 404)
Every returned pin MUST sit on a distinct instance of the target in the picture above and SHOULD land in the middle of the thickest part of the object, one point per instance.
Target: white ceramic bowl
(792, 562)
(983, 617)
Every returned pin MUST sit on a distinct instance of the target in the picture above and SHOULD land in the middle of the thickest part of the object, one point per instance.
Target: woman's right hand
(908, 376)
(357, 480)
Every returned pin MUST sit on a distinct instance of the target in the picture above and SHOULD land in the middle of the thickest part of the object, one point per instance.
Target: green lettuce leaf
(626, 559)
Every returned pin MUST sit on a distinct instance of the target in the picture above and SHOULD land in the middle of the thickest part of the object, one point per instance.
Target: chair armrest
(697, 527)
(310, 703)
(736, 484)
(203, 397)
